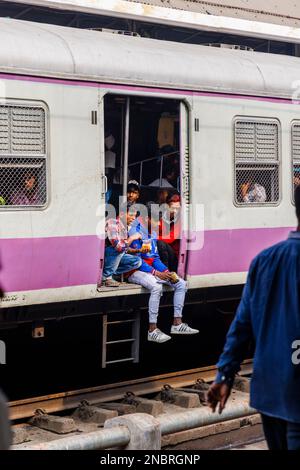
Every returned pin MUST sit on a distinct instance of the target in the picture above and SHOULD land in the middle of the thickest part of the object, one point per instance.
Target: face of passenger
(297, 179)
(171, 175)
(162, 196)
(245, 187)
(132, 194)
(30, 182)
(174, 208)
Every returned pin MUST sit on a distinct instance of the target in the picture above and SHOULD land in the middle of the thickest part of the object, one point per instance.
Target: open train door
(103, 185)
(185, 188)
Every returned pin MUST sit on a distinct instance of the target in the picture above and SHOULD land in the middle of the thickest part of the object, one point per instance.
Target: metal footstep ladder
(133, 340)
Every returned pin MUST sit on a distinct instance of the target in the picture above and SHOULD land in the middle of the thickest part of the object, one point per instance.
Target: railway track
(40, 420)
(54, 403)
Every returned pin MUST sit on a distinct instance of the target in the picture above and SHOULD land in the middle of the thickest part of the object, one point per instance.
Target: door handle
(104, 185)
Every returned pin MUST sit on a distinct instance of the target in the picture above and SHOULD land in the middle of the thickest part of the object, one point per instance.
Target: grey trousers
(154, 285)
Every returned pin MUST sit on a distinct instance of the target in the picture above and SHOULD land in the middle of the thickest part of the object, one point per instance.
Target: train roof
(54, 51)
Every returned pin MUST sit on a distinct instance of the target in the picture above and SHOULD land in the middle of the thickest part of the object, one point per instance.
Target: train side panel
(57, 247)
(234, 235)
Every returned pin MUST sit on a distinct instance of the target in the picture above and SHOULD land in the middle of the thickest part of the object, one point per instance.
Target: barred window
(23, 164)
(296, 154)
(256, 144)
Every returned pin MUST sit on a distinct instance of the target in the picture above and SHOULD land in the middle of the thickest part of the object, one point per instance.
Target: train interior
(151, 144)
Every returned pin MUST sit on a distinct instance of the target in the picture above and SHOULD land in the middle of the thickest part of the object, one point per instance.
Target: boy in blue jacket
(152, 274)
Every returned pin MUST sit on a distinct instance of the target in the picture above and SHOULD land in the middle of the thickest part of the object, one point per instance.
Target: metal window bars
(256, 144)
(295, 156)
(139, 169)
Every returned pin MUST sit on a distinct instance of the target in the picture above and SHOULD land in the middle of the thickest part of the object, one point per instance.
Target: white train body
(52, 255)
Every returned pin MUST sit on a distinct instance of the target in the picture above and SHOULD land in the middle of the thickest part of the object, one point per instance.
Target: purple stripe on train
(45, 263)
(226, 251)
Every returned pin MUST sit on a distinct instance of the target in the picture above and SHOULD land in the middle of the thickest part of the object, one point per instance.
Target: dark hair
(297, 201)
(167, 149)
(133, 187)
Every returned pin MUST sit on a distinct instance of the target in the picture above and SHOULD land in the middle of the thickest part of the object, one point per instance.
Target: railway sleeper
(56, 424)
(121, 408)
(144, 405)
(179, 397)
(92, 414)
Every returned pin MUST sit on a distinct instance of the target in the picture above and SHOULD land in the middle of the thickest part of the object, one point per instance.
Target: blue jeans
(119, 263)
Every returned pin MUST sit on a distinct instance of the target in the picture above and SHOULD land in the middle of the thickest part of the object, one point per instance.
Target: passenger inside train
(296, 176)
(28, 194)
(133, 192)
(23, 182)
(170, 231)
(152, 274)
(252, 191)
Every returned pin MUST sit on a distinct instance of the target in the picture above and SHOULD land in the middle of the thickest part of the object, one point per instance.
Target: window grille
(296, 154)
(23, 163)
(256, 145)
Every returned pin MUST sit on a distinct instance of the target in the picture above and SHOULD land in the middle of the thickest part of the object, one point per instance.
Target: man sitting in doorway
(118, 259)
(152, 274)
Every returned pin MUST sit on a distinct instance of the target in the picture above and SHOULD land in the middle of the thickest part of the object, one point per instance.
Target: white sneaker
(183, 329)
(158, 336)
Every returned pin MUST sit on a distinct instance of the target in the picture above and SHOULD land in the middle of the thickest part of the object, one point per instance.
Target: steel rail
(120, 436)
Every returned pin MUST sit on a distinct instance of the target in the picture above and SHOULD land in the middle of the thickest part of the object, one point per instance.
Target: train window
(23, 165)
(296, 154)
(256, 144)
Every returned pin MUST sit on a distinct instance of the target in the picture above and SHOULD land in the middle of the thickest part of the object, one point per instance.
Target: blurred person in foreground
(269, 314)
(5, 433)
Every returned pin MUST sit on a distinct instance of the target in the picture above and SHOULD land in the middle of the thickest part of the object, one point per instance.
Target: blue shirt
(269, 312)
(153, 259)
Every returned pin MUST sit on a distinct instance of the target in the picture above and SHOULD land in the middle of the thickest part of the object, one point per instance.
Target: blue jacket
(153, 260)
(269, 312)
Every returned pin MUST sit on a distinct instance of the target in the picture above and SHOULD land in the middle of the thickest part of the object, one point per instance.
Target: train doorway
(146, 142)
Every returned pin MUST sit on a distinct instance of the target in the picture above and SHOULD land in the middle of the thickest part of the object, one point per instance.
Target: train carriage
(234, 115)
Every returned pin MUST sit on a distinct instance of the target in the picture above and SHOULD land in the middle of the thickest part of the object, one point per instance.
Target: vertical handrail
(126, 147)
(141, 172)
(161, 168)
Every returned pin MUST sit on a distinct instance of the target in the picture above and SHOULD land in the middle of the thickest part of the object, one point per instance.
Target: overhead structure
(278, 22)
